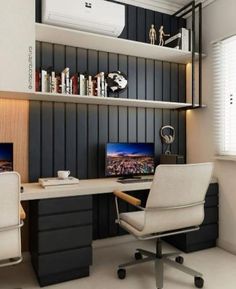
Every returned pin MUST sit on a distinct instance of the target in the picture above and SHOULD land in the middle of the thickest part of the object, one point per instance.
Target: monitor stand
(128, 177)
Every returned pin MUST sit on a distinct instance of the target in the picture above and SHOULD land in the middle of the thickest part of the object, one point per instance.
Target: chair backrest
(10, 240)
(179, 185)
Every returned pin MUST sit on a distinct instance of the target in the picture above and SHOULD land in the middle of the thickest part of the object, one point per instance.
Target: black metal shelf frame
(191, 8)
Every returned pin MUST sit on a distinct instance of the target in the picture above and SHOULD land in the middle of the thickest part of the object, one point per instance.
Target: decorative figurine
(162, 35)
(152, 35)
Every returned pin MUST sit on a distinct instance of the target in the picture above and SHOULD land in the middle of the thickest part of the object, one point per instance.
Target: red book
(75, 87)
(37, 80)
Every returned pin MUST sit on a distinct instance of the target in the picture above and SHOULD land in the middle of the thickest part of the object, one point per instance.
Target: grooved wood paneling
(73, 136)
(14, 119)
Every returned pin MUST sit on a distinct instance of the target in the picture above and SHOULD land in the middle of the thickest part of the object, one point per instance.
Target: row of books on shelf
(78, 83)
(181, 40)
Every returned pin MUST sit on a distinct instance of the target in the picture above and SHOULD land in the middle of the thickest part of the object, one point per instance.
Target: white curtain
(224, 60)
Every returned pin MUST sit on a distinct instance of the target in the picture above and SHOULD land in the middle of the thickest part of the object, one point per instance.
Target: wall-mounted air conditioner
(95, 16)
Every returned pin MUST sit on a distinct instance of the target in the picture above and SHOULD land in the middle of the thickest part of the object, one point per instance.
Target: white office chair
(175, 205)
(11, 214)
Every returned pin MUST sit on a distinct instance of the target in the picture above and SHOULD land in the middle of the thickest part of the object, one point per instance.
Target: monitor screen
(6, 157)
(127, 159)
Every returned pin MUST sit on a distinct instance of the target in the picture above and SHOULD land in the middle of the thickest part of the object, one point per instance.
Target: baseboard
(227, 246)
(113, 241)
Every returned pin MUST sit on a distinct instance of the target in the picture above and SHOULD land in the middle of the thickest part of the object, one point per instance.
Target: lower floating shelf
(68, 98)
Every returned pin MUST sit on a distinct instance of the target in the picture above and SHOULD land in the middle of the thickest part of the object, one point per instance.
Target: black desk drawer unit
(207, 235)
(61, 238)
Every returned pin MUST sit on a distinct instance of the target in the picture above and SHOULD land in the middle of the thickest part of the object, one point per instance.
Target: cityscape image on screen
(6, 157)
(123, 159)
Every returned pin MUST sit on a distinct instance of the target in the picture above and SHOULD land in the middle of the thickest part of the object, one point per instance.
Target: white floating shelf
(68, 98)
(64, 36)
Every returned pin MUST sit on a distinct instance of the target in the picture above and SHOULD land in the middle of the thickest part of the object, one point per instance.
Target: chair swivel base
(159, 259)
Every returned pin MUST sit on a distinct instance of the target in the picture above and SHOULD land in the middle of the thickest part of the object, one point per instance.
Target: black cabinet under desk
(61, 238)
(207, 235)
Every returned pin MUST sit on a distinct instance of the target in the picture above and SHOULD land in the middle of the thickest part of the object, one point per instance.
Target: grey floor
(218, 267)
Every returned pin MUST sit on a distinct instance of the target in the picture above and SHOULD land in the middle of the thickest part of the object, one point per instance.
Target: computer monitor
(129, 159)
(6, 157)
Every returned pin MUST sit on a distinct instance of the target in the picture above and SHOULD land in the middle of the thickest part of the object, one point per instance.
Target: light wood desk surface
(33, 191)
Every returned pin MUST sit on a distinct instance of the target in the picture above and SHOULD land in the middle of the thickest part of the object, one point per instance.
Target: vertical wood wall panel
(71, 154)
(82, 144)
(47, 139)
(59, 137)
(73, 136)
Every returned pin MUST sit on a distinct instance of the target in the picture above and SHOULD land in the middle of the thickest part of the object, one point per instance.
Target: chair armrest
(127, 198)
(22, 213)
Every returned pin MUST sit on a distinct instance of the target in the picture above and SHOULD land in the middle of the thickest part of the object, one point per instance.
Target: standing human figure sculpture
(152, 35)
(162, 34)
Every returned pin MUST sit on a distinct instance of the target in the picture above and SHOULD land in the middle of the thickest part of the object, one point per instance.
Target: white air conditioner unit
(95, 16)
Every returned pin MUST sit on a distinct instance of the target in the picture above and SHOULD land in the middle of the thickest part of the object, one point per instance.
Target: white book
(44, 81)
(53, 83)
(105, 89)
(63, 84)
(67, 80)
(56, 182)
(71, 86)
(98, 89)
(90, 86)
(82, 84)
(102, 74)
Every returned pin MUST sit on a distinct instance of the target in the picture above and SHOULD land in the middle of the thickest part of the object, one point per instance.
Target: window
(224, 53)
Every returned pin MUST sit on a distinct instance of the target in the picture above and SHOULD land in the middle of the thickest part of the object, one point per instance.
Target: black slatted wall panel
(73, 136)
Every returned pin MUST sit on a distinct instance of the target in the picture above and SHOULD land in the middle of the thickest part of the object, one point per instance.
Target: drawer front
(63, 205)
(213, 189)
(64, 220)
(211, 216)
(205, 234)
(212, 201)
(58, 240)
(64, 261)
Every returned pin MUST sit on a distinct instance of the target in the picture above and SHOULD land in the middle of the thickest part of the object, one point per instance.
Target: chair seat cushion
(135, 219)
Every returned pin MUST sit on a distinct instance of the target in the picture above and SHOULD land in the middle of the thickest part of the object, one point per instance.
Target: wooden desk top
(33, 191)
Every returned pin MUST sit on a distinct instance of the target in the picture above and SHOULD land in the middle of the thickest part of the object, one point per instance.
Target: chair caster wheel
(138, 256)
(121, 273)
(179, 260)
(198, 282)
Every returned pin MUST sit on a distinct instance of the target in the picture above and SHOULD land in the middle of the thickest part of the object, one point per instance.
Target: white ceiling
(165, 6)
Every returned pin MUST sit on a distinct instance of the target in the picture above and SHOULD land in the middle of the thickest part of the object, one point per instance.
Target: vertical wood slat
(71, 153)
(82, 137)
(47, 139)
(59, 137)
(34, 140)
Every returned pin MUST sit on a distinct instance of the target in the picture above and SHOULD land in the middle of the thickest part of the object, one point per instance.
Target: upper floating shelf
(70, 37)
(112, 101)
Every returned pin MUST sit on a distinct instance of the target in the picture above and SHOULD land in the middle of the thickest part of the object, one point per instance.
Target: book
(56, 182)
(74, 84)
(53, 83)
(102, 75)
(37, 81)
(67, 80)
(98, 85)
(82, 84)
(63, 83)
(44, 81)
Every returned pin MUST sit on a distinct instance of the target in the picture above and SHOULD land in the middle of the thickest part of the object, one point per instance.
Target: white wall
(219, 20)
